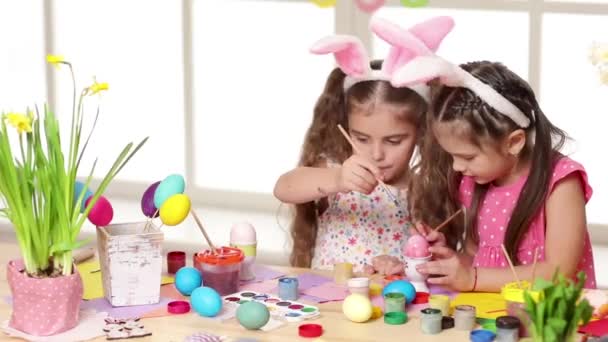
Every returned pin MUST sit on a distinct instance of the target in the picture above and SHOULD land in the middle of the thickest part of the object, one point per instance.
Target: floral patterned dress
(357, 227)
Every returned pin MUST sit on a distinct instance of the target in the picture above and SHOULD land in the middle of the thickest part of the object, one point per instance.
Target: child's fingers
(397, 269)
(431, 267)
(369, 166)
(358, 184)
(435, 238)
(442, 252)
(421, 228)
(368, 269)
(438, 280)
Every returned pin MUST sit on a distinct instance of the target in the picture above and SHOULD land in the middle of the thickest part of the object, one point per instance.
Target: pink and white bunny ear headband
(420, 40)
(426, 68)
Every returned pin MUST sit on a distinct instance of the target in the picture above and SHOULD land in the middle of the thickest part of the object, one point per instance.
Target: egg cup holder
(416, 278)
(131, 260)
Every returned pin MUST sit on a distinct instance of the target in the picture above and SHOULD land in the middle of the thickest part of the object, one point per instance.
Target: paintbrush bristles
(504, 250)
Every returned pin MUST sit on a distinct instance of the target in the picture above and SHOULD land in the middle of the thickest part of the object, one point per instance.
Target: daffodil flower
(324, 3)
(97, 87)
(55, 60)
(604, 75)
(22, 122)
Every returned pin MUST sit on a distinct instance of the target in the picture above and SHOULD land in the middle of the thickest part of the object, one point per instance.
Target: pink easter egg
(102, 213)
(417, 247)
(369, 6)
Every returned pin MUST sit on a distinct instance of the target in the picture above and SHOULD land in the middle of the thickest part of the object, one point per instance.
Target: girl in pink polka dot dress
(498, 157)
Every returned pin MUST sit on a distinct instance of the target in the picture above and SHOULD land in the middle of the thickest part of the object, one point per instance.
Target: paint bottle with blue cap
(482, 336)
(288, 288)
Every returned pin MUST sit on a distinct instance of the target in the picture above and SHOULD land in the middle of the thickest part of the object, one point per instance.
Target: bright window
(135, 46)
(22, 80)
(573, 98)
(468, 41)
(255, 86)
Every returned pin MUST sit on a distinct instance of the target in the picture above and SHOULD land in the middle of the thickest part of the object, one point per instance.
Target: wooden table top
(336, 326)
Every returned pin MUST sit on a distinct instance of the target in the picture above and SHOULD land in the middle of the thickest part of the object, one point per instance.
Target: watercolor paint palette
(286, 310)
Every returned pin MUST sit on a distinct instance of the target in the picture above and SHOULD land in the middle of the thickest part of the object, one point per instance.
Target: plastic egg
(170, 186)
(357, 307)
(78, 187)
(206, 301)
(175, 210)
(147, 201)
(369, 6)
(242, 234)
(101, 213)
(402, 286)
(252, 315)
(187, 279)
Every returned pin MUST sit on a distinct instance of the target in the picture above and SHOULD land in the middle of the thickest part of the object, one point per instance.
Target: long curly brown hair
(324, 142)
(435, 186)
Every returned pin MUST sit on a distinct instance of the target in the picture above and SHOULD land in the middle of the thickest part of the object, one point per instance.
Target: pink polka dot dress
(496, 210)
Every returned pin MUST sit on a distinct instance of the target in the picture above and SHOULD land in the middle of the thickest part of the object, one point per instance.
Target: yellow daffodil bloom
(98, 87)
(598, 54)
(55, 60)
(324, 3)
(604, 76)
(23, 123)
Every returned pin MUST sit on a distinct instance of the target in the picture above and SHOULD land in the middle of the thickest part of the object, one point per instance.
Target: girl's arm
(306, 184)
(566, 225)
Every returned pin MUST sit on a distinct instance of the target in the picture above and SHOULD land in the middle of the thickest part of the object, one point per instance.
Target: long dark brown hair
(436, 185)
(324, 142)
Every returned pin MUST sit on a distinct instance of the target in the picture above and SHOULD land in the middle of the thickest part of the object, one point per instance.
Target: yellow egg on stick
(175, 210)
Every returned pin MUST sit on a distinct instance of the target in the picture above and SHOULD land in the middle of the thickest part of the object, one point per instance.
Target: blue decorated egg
(401, 286)
(172, 185)
(147, 201)
(101, 213)
(187, 279)
(78, 187)
(206, 301)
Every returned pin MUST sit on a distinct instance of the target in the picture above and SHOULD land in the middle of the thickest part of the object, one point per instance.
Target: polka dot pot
(46, 306)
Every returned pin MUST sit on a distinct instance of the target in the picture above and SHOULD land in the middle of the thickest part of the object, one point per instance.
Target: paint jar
(288, 288)
(464, 317)
(394, 302)
(441, 302)
(220, 269)
(175, 261)
(359, 285)
(507, 329)
(430, 321)
(342, 272)
(513, 293)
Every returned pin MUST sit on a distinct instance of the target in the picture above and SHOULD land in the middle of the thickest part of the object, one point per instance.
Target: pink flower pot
(45, 306)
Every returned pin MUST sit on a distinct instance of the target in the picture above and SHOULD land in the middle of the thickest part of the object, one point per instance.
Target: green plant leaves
(37, 186)
(557, 315)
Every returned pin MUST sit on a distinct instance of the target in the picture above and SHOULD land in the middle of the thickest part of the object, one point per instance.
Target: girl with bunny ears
(343, 214)
(489, 147)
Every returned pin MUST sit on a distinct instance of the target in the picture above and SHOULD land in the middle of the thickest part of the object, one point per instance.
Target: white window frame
(348, 20)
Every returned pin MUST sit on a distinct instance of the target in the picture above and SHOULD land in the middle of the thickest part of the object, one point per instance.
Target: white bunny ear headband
(426, 68)
(420, 40)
